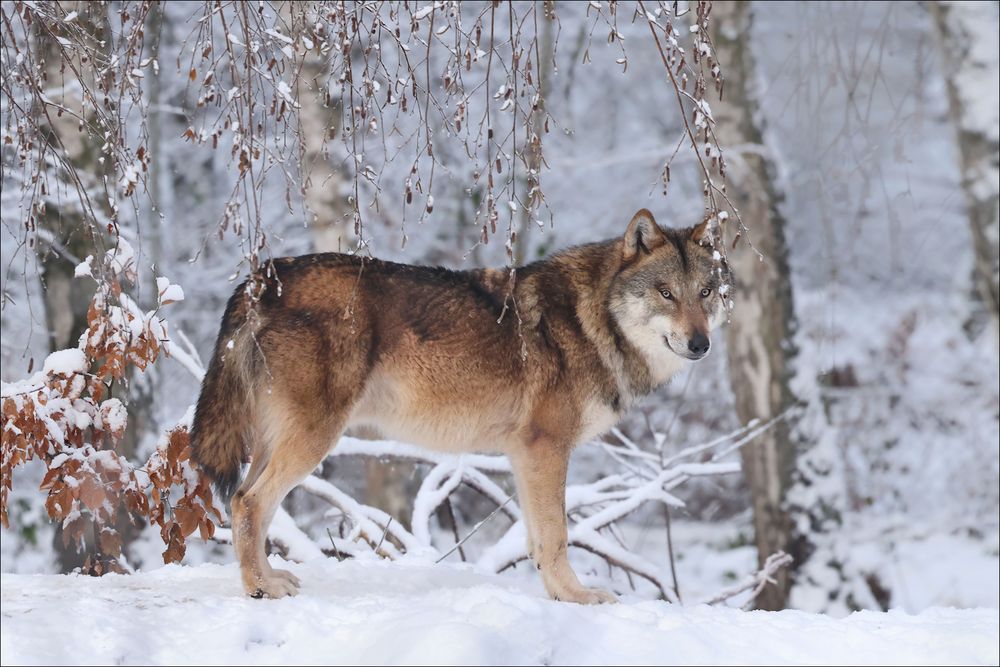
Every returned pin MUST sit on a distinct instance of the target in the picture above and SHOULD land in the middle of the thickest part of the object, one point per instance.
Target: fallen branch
(755, 582)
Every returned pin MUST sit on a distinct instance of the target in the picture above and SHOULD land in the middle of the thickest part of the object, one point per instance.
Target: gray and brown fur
(317, 343)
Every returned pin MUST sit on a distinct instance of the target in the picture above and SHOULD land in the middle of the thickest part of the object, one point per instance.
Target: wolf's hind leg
(540, 473)
(301, 442)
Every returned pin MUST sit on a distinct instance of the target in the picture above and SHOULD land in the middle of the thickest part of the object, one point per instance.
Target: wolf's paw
(274, 584)
(287, 576)
(583, 595)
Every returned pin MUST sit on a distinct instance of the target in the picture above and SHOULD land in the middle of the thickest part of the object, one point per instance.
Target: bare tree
(968, 40)
(760, 345)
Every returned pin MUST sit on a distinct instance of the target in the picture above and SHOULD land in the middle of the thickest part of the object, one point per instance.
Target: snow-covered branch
(753, 582)
(594, 508)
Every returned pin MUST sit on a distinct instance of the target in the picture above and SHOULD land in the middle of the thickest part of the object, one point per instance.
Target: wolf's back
(223, 415)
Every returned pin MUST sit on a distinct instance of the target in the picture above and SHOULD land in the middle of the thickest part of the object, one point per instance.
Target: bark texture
(967, 34)
(760, 344)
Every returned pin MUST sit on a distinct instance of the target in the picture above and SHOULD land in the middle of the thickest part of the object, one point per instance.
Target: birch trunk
(967, 34)
(320, 124)
(544, 70)
(326, 182)
(760, 333)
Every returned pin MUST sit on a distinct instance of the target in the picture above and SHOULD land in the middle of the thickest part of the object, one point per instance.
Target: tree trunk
(154, 27)
(533, 149)
(68, 235)
(327, 200)
(760, 344)
(320, 124)
(967, 34)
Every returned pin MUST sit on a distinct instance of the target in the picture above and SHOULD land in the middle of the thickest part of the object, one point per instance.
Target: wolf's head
(671, 291)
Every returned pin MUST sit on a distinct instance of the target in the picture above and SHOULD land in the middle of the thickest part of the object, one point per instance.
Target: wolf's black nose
(699, 344)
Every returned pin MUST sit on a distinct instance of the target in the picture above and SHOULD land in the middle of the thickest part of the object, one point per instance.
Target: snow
(370, 611)
(434, 490)
(277, 35)
(975, 23)
(130, 175)
(84, 268)
(65, 362)
(114, 415)
(168, 292)
(122, 259)
(965, 571)
(285, 91)
(425, 11)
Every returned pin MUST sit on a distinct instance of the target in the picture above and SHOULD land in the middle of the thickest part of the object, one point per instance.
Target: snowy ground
(368, 611)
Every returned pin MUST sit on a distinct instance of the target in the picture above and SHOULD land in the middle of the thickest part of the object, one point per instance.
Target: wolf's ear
(642, 234)
(700, 233)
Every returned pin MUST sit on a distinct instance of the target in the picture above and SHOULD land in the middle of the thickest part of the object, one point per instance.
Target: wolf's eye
(665, 293)
(705, 292)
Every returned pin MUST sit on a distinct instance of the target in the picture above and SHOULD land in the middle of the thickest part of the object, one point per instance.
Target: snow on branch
(594, 508)
(753, 582)
(370, 523)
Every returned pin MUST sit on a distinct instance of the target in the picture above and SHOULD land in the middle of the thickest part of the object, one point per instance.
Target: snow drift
(368, 611)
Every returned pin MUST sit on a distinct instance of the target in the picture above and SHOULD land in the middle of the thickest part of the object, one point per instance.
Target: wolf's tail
(223, 417)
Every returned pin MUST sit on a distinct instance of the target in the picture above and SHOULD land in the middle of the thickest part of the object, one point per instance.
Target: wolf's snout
(698, 345)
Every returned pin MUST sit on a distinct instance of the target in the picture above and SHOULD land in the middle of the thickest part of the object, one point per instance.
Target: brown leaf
(59, 502)
(73, 530)
(206, 529)
(188, 518)
(50, 477)
(92, 493)
(175, 546)
(110, 542)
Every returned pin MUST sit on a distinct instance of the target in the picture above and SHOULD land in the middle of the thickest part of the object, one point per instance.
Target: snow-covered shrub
(640, 478)
(66, 416)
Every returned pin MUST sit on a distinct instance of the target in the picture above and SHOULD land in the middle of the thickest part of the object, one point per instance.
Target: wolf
(456, 361)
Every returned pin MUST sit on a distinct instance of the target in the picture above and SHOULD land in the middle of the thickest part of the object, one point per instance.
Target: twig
(670, 552)
(384, 533)
(450, 513)
(474, 530)
(336, 552)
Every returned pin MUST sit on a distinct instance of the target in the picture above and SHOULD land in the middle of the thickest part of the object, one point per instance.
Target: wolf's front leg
(540, 472)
